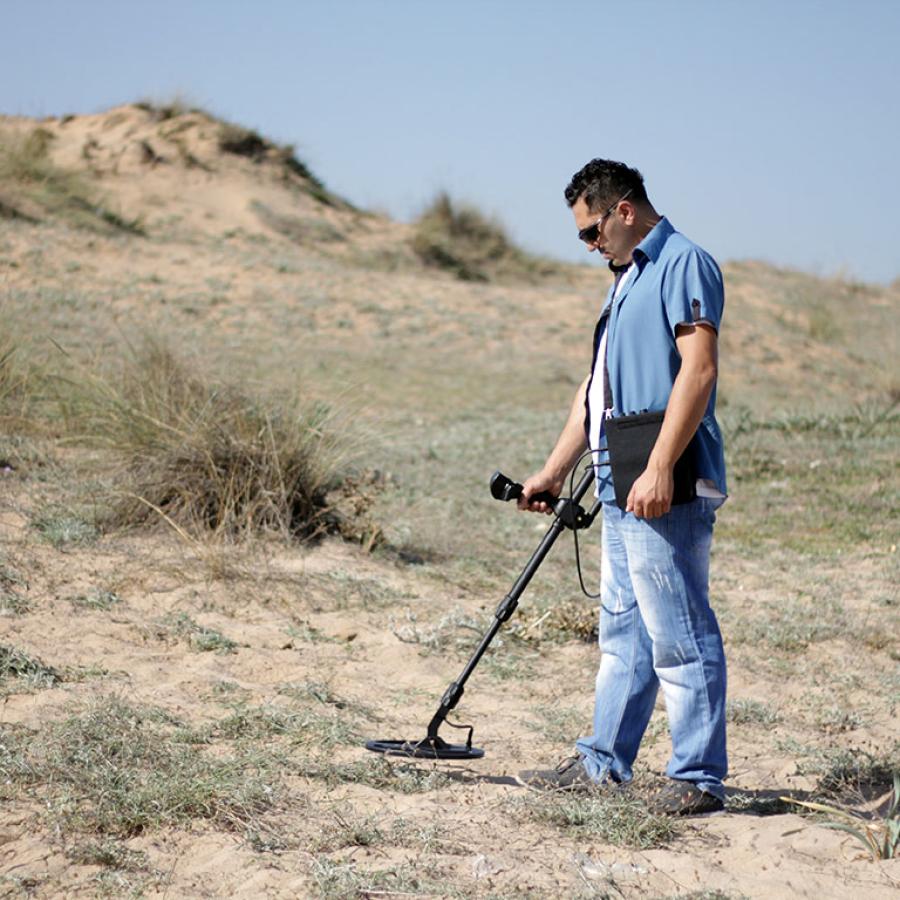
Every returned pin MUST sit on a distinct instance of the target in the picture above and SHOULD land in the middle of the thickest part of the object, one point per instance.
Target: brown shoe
(683, 798)
(569, 775)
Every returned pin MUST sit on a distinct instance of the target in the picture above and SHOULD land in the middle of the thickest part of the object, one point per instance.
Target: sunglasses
(592, 232)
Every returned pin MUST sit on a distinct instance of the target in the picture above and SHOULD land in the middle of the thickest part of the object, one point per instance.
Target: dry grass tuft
(205, 457)
(22, 385)
(460, 239)
(246, 142)
(171, 108)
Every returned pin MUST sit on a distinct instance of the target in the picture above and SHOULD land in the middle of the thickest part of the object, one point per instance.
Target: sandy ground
(212, 273)
(485, 846)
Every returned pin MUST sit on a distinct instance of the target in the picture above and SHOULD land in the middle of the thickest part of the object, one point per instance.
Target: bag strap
(607, 389)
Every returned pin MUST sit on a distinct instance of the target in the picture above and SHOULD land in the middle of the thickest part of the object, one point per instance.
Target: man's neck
(646, 220)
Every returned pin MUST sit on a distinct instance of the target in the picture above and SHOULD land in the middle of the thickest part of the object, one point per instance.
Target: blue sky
(765, 130)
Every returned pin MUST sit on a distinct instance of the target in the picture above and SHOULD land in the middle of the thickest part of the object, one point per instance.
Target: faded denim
(657, 629)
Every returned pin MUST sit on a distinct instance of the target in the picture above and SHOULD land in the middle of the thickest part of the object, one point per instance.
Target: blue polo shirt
(674, 283)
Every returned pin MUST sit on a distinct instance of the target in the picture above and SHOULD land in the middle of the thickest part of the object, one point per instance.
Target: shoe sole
(688, 814)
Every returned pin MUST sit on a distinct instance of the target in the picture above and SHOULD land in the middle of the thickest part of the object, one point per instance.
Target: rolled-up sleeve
(693, 291)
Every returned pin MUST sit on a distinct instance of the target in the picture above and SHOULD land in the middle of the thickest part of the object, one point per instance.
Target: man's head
(611, 209)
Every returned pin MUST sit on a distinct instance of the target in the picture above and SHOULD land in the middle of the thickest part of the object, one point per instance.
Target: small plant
(242, 142)
(109, 853)
(790, 627)
(346, 590)
(256, 723)
(321, 693)
(344, 879)
(172, 108)
(348, 831)
(560, 621)
(880, 837)
(750, 712)
(96, 599)
(309, 634)
(836, 719)
(199, 637)
(325, 723)
(854, 771)
(12, 602)
(454, 630)
(63, 528)
(16, 664)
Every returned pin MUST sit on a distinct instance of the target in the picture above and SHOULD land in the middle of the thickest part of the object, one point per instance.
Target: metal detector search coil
(568, 514)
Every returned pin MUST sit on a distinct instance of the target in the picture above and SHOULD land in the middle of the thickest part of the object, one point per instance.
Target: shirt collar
(653, 242)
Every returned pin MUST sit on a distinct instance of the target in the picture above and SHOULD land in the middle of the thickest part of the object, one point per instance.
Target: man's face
(614, 239)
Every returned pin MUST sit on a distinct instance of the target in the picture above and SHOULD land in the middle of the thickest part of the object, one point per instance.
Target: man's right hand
(535, 485)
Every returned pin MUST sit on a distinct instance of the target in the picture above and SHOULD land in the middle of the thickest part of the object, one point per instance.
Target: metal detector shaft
(568, 515)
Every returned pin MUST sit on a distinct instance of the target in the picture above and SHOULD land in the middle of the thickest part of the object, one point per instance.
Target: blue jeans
(657, 628)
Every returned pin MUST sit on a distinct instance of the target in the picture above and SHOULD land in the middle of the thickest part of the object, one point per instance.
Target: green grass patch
(379, 772)
(114, 771)
(13, 602)
(787, 469)
(30, 670)
(620, 820)
(63, 527)
(344, 879)
(745, 711)
(789, 625)
(110, 854)
(199, 637)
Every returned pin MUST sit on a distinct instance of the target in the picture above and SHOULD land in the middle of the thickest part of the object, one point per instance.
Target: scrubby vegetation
(460, 239)
(204, 456)
(240, 141)
(32, 185)
(114, 770)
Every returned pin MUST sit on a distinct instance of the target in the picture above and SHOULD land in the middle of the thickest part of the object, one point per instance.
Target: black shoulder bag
(630, 440)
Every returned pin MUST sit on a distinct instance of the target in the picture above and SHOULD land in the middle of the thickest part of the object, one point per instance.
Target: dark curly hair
(603, 181)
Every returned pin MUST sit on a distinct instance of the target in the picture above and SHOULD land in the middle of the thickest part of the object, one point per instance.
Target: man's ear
(628, 212)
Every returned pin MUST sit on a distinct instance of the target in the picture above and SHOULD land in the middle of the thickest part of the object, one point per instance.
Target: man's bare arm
(651, 494)
(569, 446)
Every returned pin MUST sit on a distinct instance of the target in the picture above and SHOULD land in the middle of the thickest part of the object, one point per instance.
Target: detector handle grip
(503, 488)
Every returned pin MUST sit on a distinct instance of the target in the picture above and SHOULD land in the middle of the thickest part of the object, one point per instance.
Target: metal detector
(568, 514)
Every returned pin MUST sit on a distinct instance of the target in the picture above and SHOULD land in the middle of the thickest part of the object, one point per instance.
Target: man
(655, 348)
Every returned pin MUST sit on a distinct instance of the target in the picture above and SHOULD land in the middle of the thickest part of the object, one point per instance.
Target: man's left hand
(651, 495)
